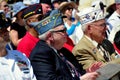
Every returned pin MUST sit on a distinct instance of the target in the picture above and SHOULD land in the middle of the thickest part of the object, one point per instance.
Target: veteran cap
(52, 21)
(32, 10)
(90, 14)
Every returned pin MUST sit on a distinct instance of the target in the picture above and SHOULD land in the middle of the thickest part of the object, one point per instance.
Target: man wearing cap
(89, 49)
(13, 64)
(46, 6)
(114, 21)
(47, 61)
(31, 14)
(17, 28)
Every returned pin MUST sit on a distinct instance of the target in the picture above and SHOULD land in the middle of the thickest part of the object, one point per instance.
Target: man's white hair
(44, 35)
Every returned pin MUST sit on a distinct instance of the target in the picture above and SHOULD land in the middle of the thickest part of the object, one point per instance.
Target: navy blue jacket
(47, 65)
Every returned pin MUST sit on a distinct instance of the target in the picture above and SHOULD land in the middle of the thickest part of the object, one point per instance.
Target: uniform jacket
(86, 53)
(15, 66)
(47, 64)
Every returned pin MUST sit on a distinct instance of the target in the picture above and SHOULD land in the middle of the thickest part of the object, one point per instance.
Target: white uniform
(15, 66)
(114, 21)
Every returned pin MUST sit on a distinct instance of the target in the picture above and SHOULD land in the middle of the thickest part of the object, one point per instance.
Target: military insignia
(21, 63)
(94, 50)
(29, 14)
(53, 18)
(46, 22)
(39, 10)
(23, 67)
(91, 16)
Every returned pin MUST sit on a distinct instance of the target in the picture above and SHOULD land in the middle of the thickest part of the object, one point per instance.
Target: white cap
(98, 4)
(90, 14)
(30, 2)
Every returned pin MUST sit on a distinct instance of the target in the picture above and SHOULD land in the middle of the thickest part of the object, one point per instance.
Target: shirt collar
(93, 41)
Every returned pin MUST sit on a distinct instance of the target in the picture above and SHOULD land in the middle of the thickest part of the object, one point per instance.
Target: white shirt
(77, 34)
(15, 66)
(114, 21)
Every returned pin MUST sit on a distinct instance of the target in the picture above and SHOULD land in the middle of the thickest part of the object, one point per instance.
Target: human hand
(75, 22)
(94, 67)
(90, 76)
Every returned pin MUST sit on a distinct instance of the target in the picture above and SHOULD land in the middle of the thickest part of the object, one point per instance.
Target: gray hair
(84, 27)
(44, 35)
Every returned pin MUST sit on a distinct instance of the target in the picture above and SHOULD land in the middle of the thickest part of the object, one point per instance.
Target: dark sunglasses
(63, 30)
(69, 8)
(6, 5)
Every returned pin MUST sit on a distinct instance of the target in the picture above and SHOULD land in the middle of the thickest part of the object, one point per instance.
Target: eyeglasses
(102, 25)
(63, 30)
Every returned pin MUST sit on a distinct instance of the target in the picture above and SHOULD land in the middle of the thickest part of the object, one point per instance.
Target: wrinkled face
(4, 6)
(98, 30)
(45, 8)
(59, 37)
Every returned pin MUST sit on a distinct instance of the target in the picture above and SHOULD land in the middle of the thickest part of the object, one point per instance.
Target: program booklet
(109, 72)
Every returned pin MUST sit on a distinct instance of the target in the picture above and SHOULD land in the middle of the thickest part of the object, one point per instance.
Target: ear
(89, 27)
(28, 21)
(49, 35)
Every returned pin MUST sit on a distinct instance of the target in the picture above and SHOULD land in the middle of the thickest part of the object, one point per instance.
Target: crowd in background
(58, 39)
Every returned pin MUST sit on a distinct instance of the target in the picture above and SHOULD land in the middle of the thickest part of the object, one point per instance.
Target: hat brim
(63, 5)
(22, 8)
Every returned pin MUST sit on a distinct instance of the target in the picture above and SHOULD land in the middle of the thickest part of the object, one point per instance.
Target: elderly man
(88, 50)
(48, 63)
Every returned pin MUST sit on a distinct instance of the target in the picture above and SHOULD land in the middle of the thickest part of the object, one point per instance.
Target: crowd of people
(54, 40)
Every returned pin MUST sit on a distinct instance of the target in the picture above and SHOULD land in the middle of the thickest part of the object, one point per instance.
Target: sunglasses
(63, 30)
(69, 8)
